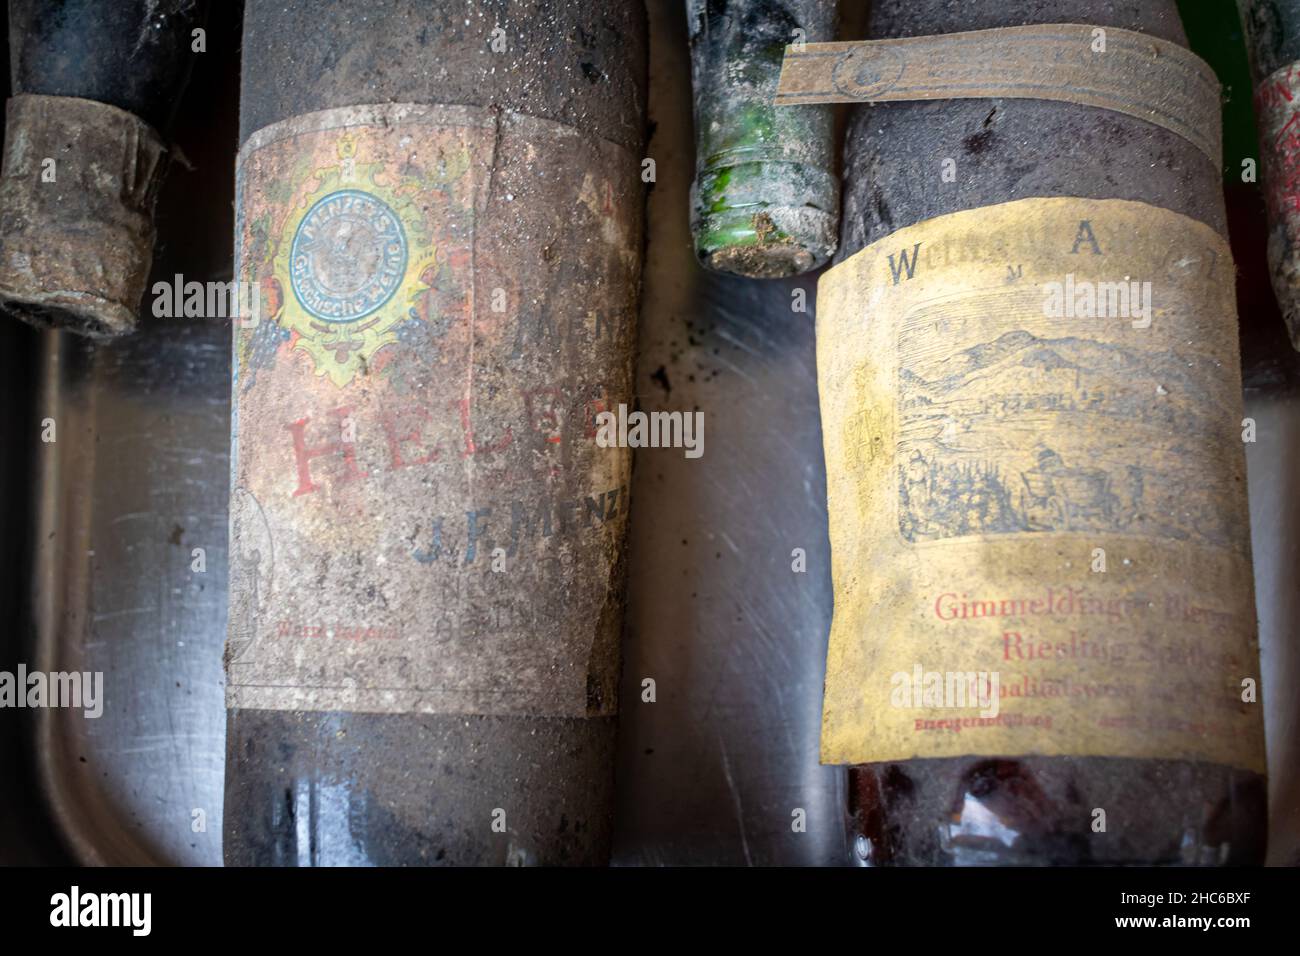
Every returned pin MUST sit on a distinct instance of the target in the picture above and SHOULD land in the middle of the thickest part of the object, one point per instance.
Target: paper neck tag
(1108, 68)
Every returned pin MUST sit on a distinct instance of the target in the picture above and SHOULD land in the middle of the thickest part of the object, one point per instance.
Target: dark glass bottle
(1022, 809)
(528, 180)
(1273, 43)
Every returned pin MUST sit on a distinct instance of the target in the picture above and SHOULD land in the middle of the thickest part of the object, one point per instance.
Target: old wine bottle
(95, 86)
(440, 206)
(766, 200)
(1044, 641)
(1273, 41)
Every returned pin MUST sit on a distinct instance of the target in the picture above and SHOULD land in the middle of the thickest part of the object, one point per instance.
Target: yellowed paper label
(1032, 422)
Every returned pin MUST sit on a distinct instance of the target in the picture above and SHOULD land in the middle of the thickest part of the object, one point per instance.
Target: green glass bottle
(765, 202)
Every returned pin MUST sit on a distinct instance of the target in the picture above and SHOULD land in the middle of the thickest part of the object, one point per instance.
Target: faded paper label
(421, 519)
(1032, 423)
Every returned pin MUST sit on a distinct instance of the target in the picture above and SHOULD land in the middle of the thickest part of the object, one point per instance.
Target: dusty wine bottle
(1273, 41)
(1043, 648)
(95, 86)
(440, 207)
(766, 200)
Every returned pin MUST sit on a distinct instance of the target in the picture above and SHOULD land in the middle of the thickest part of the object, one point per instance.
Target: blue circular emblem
(348, 256)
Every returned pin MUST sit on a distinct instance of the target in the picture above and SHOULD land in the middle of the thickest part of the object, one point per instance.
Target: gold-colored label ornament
(349, 252)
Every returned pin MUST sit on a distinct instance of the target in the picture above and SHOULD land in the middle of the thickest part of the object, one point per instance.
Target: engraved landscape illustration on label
(1010, 422)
